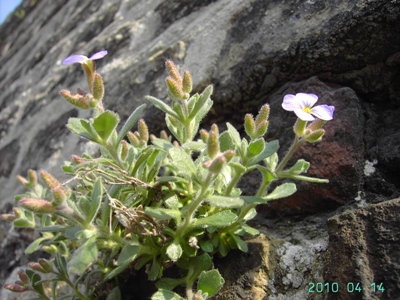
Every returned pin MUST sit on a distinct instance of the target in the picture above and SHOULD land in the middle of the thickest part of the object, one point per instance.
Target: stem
(296, 144)
(232, 184)
(194, 205)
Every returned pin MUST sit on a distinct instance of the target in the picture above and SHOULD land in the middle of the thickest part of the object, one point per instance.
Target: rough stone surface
(363, 248)
(253, 52)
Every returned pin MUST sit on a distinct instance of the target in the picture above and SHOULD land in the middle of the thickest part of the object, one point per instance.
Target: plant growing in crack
(153, 202)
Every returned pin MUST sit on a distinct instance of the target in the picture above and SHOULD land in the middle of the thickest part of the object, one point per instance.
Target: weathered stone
(363, 250)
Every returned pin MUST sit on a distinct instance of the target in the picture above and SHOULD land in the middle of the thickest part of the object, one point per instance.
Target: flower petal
(323, 112)
(74, 59)
(290, 103)
(302, 115)
(99, 55)
(306, 99)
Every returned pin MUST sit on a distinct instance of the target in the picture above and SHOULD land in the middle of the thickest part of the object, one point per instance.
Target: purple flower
(302, 103)
(82, 58)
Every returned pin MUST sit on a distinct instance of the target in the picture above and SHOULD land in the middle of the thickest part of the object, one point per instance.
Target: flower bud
(206, 164)
(32, 176)
(173, 71)
(314, 136)
(75, 99)
(217, 164)
(143, 131)
(263, 114)
(24, 278)
(204, 135)
(250, 126)
(37, 267)
(59, 196)
(77, 159)
(176, 144)
(262, 128)
(22, 180)
(16, 288)
(164, 135)
(8, 217)
(229, 154)
(124, 149)
(98, 87)
(299, 127)
(46, 265)
(52, 249)
(187, 83)
(212, 144)
(316, 124)
(37, 205)
(18, 213)
(175, 89)
(133, 139)
(214, 127)
(49, 180)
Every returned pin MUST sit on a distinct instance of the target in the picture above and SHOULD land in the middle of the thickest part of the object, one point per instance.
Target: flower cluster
(153, 202)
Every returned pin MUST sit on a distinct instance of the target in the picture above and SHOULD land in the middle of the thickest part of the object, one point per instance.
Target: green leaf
(162, 106)
(163, 144)
(270, 148)
(133, 118)
(201, 101)
(34, 279)
(82, 128)
(169, 283)
(226, 142)
(142, 159)
(250, 230)
(160, 213)
(182, 162)
(221, 219)
(162, 294)
(210, 282)
(256, 147)
(174, 251)
(61, 265)
(301, 166)
(23, 223)
(224, 202)
(234, 134)
(105, 124)
(96, 197)
(84, 256)
(35, 245)
(240, 244)
(128, 254)
(194, 146)
(281, 191)
(253, 199)
(155, 271)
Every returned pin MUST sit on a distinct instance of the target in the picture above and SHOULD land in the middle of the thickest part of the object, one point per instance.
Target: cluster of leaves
(147, 201)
